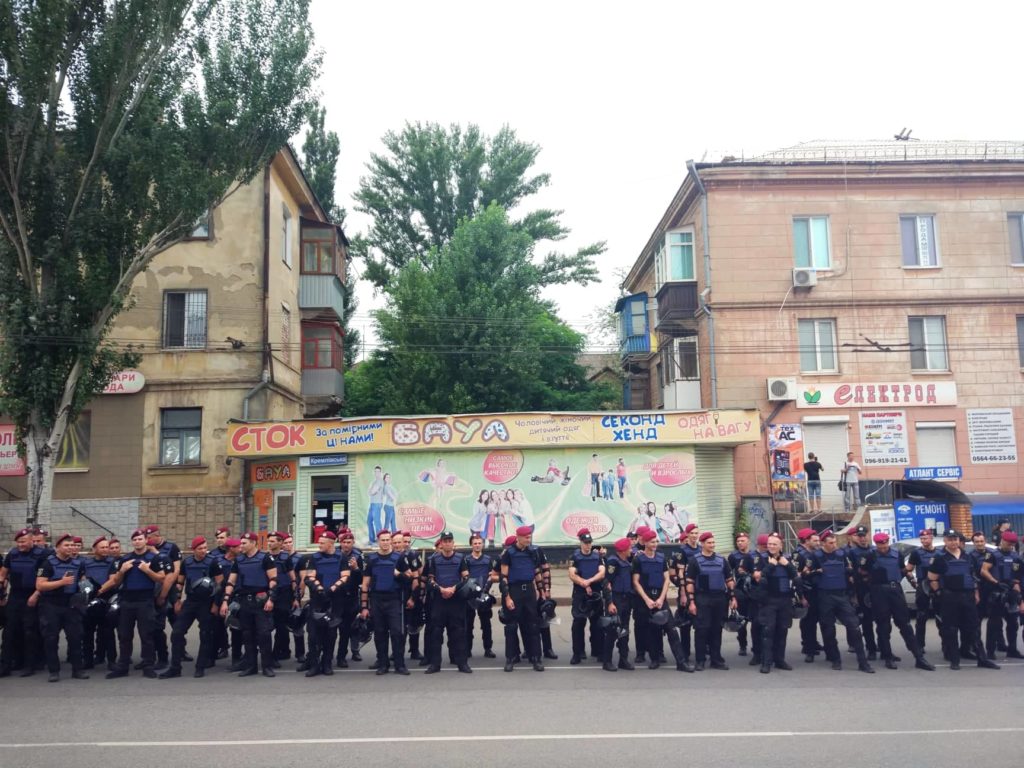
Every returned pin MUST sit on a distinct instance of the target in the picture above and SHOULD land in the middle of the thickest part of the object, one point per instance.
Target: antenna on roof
(903, 135)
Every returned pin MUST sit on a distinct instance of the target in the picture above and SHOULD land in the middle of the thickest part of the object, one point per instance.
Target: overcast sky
(621, 95)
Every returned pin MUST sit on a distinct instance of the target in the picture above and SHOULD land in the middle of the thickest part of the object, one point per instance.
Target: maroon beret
(623, 545)
(648, 535)
(233, 543)
(762, 539)
(23, 532)
(804, 534)
(524, 530)
(1009, 536)
(250, 536)
(138, 532)
(99, 539)
(329, 535)
(197, 541)
(691, 527)
(223, 529)
(510, 540)
(152, 529)
(62, 538)
(880, 538)
(706, 535)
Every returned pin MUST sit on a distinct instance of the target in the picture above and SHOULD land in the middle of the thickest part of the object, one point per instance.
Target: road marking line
(515, 737)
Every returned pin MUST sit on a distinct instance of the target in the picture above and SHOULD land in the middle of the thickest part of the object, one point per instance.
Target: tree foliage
(431, 178)
(123, 122)
(466, 331)
(320, 152)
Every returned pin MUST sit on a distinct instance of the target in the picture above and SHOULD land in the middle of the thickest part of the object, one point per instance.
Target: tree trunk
(41, 446)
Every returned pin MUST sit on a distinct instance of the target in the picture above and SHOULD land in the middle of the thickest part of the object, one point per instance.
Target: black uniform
(684, 556)
(349, 606)
(709, 577)
(220, 629)
(1007, 568)
(284, 597)
(859, 556)
(296, 565)
(586, 566)
(251, 591)
(386, 605)
(651, 572)
(958, 608)
(326, 609)
(170, 554)
(447, 614)
(413, 587)
(21, 646)
(137, 609)
(809, 645)
(977, 557)
(56, 613)
(885, 577)
(833, 585)
(524, 566)
(544, 630)
(750, 564)
(776, 613)
(921, 559)
(195, 607)
(737, 561)
(480, 569)
(619, 589)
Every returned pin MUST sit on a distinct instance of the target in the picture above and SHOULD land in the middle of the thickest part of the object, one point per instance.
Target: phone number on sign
(889, 460)
(1009, 458)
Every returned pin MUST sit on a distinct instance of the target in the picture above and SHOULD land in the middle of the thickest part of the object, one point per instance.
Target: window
(286, 331)
(810, 242)
(633, 317)
(817, 341)
(185, 319)
(674, 260)
(928, 344)
(318, 251)
(73, 454)
(286, 235)
(917, 234)
(936, 444)
(681, 362)
(202, 229)
(321, 347)
(1016, 222)
(1020, 339)
(180, 430)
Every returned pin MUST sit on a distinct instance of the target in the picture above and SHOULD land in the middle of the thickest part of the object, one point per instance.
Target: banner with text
(786, 449)
(873, 395)
(991, 436)
(10, 463)
(883, 438)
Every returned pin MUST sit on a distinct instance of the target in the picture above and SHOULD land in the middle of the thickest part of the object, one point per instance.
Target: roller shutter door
(830, 442)
(716, 494)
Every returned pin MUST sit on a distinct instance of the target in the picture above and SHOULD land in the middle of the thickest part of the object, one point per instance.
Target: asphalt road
(490, 718)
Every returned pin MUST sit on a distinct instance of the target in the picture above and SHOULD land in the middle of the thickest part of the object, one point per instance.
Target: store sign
(883, 438)
(494, 431)
(786, 452)
(883, 521)
(274, 472)
(11, 464)
(875, 394)
(991, 436)
(125, 383)
(912, 517)
(933, 473)
(324, 461)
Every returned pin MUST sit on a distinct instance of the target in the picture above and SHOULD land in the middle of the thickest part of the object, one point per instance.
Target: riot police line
(253, 607)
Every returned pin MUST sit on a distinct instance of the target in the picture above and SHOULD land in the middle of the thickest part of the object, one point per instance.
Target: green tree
(467, 331)
(123, 122)
(320, 152)
(431, 178)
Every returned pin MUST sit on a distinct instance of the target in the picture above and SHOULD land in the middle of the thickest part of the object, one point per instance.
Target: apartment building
(863, 297)
(241, 321)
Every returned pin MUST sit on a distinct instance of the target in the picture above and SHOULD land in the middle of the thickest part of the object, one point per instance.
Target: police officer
(752, 562)
(920, 559)
(689, 548)
(326, 574)
(40, 540)
(413, 594)
(833, 579)
(1003, 569)
(519, 582)
(775, 574)
(858, 551)
(296, 564)
(140, 575)
(952, 578)
(586, 572)
(97, 632)
(483, 569)
(349, 599)
(809, 542)
(57, 581)
(381, 600)
(199, 578)
(737, 561)
(21, 646)
(219, 553)
(650, 584)
(165, 600)
(711, 589)
(977, 555)
(233, 550)
(885, 570)
(445, 573)
(619, 593)
(544, 593)
(283, 597)
(252, 582)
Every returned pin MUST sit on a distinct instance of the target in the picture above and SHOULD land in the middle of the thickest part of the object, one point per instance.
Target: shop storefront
(491, 473)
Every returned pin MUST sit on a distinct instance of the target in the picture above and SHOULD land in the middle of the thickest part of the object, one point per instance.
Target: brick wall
(118, 515)
(182, 517)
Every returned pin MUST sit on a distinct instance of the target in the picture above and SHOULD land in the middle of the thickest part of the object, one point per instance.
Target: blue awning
(996, 505)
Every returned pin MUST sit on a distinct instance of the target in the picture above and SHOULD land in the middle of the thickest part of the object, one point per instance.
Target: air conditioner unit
(804, 278)
(781, 389)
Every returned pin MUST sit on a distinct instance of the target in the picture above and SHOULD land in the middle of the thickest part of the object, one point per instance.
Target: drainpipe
(692, 168)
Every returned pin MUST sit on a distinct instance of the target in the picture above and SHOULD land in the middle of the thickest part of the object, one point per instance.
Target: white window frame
(817, 321)
(664, 253)
(929, 347)
(287, 235)
(810, 242)
(672, 373)
(190, 320)
(203, 229)
(918, 217)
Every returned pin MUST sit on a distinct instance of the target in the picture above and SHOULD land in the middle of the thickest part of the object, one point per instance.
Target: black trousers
(525, 618)
(744, 607)
(257, 624)
(867, 620)
(136, 614)
(923, 604)
(809, 626)
(53, 619)
(160, 630)
(193, 611)
(959, 615)
(282, 635)
(712, 609)
(994, 632)
(581, 617)
(623, 602)
(890, 607)
(21, 645)
(775, 618)
(485, 615)
(348, 607)
(386, 612)
(833, 607)
(652, 634)
(447, 616)
(98, 641)
(756, 630)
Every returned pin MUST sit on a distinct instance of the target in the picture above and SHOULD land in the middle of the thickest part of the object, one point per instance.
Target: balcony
(319, 383)
(677, 304)
(320, 296)
(635, 345)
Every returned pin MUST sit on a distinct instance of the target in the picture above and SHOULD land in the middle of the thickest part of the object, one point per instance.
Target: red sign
(598, 523)
(422, 521)
(11, 463)
(256, 437)
(125, 383)
(502, 467)
(274, 472)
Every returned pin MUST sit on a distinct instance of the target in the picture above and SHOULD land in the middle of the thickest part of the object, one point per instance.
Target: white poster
(991, 435)
(883, 438)
(883, 521)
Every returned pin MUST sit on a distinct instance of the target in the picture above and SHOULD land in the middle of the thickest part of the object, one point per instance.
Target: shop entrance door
(284, 511)
(330, 502)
